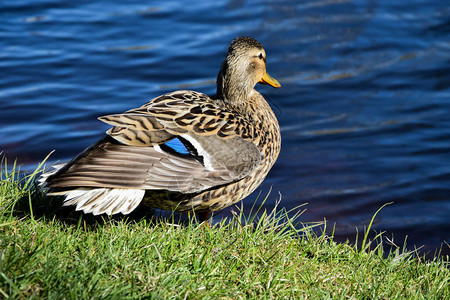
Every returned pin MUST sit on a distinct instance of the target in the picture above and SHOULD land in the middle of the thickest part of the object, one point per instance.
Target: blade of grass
(366, 234)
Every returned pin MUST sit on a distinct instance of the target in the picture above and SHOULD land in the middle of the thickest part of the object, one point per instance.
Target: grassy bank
(51, 252)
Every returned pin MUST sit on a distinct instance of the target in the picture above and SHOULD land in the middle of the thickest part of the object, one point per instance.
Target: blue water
(364, 104)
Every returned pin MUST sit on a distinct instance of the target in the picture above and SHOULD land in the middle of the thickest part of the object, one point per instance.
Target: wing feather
(130, 156)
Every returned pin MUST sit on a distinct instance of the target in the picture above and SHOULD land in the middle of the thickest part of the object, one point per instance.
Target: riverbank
(51, 252)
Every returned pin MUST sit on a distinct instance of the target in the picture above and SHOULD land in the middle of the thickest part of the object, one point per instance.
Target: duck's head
(242, 69)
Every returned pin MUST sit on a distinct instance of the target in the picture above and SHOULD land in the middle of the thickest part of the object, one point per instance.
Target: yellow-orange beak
(267, 79)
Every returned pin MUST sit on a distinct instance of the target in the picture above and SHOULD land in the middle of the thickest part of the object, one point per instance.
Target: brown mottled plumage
(181, 151)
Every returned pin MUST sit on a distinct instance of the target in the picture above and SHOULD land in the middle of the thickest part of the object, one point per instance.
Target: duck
(183, 151)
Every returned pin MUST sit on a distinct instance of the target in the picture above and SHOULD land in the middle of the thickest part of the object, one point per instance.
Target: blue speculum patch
(177, 146)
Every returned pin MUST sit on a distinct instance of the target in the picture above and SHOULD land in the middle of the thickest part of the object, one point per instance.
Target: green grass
(47, 251)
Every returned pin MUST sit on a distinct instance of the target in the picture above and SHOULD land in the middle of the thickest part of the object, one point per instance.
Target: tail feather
(43, 179)
(96, 200)
(103, 200)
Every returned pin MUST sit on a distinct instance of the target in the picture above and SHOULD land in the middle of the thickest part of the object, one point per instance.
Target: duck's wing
(180, 142)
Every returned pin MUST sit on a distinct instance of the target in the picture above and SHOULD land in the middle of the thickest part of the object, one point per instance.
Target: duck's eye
(260, 56)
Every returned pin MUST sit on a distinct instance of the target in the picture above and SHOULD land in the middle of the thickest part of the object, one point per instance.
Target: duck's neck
(232, 87)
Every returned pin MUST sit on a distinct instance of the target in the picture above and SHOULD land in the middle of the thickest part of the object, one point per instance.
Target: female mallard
(181, 151)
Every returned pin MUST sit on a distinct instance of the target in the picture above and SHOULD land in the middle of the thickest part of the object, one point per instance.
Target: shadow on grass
(37, 205)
